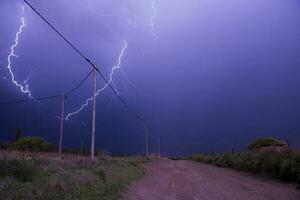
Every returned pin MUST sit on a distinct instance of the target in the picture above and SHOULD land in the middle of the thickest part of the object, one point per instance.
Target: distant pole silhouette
(94, 116)
(146, 140)
(159, 146)
(62, 123)
(18, 134)
(288, 144)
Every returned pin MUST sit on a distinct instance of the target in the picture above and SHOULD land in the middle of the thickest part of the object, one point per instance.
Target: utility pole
(62, 123)
(288, 144)
(94, 116)
(81, 149)
(146, 140)
(159, 149)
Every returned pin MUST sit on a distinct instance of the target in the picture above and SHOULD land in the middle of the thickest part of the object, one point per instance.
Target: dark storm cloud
(221, 74)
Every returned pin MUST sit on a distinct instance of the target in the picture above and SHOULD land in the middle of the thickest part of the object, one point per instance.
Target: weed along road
(187, 180)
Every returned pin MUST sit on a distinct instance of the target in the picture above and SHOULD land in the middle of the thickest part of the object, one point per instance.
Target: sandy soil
(186, 180)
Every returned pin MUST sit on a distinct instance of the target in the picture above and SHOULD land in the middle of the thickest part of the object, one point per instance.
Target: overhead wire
(79, 85)
(29, 100)
(63, 37)
(89, 61)
(66, 94)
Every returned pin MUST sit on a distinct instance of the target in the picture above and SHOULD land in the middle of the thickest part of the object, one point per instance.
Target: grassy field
(43, 176)
(283, 166)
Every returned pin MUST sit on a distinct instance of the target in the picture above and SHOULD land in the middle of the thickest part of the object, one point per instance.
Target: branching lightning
(90, 7)
(23, 88)
(82, 123)
(25, 82)
(104, 16)
(152, 23)
(110, 81)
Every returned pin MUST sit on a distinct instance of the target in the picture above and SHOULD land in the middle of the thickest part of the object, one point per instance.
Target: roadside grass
(284, 166)
(43, 179)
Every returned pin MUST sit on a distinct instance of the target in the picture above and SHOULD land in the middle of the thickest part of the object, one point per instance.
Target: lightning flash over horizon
(110, 81)
(23, 88)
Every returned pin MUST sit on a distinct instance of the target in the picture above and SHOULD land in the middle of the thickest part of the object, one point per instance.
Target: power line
(63, 37)
(122, 100)
(28, 100)
(49, 97)
(88, 60)
(79, 85)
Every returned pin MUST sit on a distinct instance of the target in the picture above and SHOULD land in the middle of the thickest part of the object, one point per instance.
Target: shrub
(263, 142)
(32, 144)
(284, 165)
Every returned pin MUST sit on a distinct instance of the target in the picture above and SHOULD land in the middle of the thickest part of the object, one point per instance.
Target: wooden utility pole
(146, 140)
(288, 144)
(159, 149)
(94, 116)
(62, 123)
(81, 147)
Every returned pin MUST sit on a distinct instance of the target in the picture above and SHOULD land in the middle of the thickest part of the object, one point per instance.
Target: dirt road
(185, 180)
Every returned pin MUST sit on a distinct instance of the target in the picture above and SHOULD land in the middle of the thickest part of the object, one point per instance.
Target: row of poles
(95, 71)
(63, 97)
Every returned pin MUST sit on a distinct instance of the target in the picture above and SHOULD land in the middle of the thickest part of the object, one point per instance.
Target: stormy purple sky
(221, 72)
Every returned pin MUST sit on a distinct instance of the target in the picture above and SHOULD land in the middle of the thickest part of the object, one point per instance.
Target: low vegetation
(27, 143)
(32, 144)
(284, 165)
(38, 144)
(265, 142)
(25, 177)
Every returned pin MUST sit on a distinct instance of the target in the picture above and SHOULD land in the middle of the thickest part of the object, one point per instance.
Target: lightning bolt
(104, 16)
(23, 88)
(90, 7)
(25, 82)
(110, 81)
(152, 23)
(82, 123)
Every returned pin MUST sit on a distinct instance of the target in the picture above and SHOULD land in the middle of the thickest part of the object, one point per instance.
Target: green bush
(263, 142)
(32, 144)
